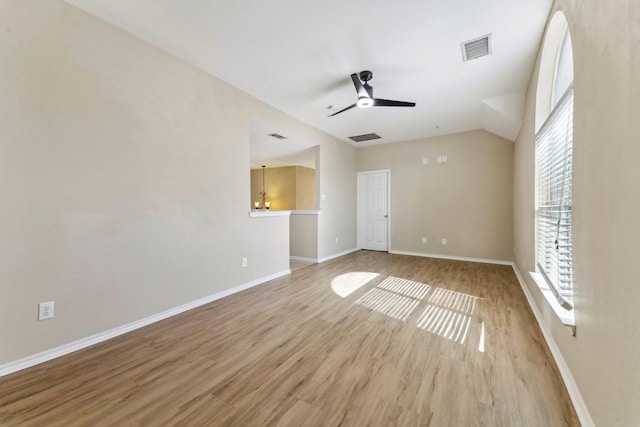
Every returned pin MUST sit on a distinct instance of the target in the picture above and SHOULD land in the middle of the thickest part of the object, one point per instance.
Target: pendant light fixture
(263, 195)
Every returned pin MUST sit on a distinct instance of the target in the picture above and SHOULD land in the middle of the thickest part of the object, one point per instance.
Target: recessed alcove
(284, 168)
(286, 187)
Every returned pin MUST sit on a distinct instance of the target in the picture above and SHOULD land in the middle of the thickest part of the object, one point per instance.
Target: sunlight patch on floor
(346, 284)
(448, 314)
(405, 287)
(395, 297)
(389, 303)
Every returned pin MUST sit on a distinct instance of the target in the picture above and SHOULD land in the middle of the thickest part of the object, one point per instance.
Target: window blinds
(554, 159)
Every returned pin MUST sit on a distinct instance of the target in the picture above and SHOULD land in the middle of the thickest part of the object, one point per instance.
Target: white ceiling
(273, 152)
(298, 55)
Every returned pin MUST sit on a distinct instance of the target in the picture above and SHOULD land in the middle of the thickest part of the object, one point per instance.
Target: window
(554, 147)
(563, 76)
(554, 162)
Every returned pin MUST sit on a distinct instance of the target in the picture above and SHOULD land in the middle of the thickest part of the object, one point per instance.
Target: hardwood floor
(411, 342)
(296, 265)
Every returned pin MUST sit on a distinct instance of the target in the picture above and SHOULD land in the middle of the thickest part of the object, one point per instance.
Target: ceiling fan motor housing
(366, 75)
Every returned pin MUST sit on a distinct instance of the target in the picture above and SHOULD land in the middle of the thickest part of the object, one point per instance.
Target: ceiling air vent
(365, 137)
(277, 136)
(476, 48)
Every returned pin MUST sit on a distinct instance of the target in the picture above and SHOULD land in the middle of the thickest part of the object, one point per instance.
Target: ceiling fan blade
(343, 110)
(377, 102)
(358, 84)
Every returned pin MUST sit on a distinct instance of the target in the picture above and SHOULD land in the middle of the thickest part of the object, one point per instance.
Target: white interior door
(373, 210)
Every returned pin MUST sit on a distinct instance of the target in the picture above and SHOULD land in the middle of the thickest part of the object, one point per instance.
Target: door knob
(386, 216)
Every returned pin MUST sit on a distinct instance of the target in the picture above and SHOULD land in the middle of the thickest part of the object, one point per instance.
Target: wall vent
(365, 137)
(476, 48)
(277, 136)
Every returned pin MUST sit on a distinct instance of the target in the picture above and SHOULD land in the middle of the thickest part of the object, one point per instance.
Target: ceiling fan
(365, 95)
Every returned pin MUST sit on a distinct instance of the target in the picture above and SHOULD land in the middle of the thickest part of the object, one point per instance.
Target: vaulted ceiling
(298, 55)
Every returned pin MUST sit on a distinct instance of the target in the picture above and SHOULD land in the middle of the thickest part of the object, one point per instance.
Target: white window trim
(550, 293)
(552, 116)
(567, 317)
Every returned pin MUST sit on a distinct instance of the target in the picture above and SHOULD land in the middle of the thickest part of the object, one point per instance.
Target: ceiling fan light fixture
(365, 95)
(365, 102)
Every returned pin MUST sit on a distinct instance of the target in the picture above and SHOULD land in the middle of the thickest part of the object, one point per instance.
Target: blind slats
(554, 165)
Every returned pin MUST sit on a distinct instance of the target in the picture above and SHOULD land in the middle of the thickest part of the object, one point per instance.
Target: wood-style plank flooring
(369, 339)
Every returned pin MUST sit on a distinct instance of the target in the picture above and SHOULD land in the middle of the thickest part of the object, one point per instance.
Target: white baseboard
(303, 259)
(62, 350)
(569, 382)
(337, 255)
(454, 258)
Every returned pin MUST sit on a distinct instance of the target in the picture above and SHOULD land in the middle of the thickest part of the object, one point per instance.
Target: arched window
(563, 75)
(554, 161)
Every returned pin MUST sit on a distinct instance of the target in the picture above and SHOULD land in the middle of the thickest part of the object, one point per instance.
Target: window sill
(259, 213)
(566, 316)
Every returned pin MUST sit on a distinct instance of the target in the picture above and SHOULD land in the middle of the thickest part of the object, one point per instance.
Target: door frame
(359, 207)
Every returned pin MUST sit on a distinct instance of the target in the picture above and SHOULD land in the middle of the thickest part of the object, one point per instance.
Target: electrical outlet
(337, 240)
(443, 241)
(425, 161)
(424, 240)
(441, 159)
(243, 263)
(45, 310)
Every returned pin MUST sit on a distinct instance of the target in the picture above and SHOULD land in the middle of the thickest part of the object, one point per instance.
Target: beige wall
(466, 200)
(303, 238)
(605, 354)
(338, 191)
(287, 188)
(305, 188)
(125, 180)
